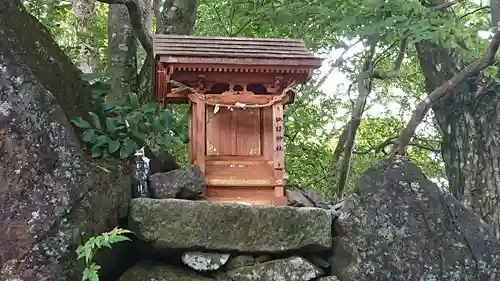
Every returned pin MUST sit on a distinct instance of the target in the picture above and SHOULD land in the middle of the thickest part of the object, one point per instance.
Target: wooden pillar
(199, 133)
(191, 124)
(160, 84)
(279, 155)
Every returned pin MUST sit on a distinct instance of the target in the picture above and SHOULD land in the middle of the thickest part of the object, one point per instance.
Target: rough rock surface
(204, 261)
(400, 227)
(206, 226)
(290, 269)
(328, 278)
(51, 197)
(148, 271)
(239, 261)
(180, 183)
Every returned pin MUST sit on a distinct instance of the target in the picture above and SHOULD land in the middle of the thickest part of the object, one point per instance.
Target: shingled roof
(232, 47)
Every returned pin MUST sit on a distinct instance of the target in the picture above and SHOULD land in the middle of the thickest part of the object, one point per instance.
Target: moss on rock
(147, 271)
(182, 224)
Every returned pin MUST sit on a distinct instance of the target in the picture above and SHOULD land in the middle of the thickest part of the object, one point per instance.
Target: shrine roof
(237, 50)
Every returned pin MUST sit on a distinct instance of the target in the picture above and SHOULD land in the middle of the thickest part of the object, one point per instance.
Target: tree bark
(38, 50)
(176, 17)
(88, 59)
(122, 52)
(468, 119)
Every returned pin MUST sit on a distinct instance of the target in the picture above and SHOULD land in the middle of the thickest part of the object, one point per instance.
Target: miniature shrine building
(237, 89)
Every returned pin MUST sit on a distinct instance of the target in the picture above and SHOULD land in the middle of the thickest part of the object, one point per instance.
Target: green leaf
(166, 118)
(108, 105)
(111, 124)
(80, 251)
(113, 146)
(88, 254)
(127, 148)
(184, 138)
(118, 238)
(90, 273)
(95, 120)
(100, 89)
(149, 108)
(157, 126)
(80, 123)
(95, 151)
(134, 99)
(89, 136)
(136, 133)
(101, 140)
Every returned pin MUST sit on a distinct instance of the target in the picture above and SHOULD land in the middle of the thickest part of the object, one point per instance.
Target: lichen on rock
(149, 271)
(289, 269)
(207, 226)
(400, 227)
(51, 196)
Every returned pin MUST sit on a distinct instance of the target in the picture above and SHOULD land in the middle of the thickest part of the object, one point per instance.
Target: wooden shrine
(237, 88)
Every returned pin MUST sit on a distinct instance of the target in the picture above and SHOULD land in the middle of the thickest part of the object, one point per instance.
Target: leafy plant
(121, 127)
(88, 250)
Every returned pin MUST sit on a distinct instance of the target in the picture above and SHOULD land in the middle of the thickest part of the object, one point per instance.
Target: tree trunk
(176, 17)
(470, 129)
(88, 59)
(38, 50)
(122, 52)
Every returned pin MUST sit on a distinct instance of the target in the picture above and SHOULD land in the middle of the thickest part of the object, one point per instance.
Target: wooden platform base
(250, 195)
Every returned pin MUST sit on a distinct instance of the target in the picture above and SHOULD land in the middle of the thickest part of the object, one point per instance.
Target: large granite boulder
(185, 183)
(149, 271)
(182, 224)
(51, 197)
(289, 269)
(399, 226)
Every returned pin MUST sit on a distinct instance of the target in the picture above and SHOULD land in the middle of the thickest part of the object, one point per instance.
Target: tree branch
(447, 5)
(350, 130)
(475, 11)
(382, 75)
(140, 31)
(442, 92)
(393, 140)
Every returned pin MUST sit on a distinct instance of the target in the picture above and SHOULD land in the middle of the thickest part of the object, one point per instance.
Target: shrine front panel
(234, 133)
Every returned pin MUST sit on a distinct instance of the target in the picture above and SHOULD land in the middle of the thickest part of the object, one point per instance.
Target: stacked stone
(231, 242)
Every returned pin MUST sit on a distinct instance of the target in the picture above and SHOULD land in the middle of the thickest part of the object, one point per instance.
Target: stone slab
(201, 225)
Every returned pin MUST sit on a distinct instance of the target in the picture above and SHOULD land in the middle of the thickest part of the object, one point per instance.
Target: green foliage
(88, 250)
(321, 110)
(121, 127)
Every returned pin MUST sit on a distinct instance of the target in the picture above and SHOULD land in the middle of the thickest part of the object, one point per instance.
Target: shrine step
(240, 168)
(252, 195)
(240, 200)
(238, 180)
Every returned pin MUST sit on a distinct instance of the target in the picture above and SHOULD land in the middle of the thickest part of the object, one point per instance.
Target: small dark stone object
(185, 183)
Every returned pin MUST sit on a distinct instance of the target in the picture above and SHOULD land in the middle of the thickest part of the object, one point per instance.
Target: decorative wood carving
(277, 86)
(201, 84)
